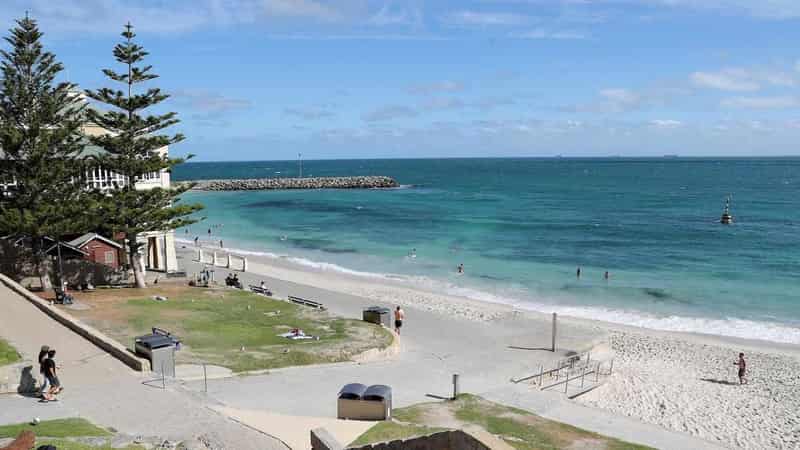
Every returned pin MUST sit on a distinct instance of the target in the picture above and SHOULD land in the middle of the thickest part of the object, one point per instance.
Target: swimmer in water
(605, 276)
(413, 253)
(578, 273)
(283, 238)
(461, 268)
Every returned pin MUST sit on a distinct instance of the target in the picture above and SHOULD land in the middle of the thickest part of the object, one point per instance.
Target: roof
(53, 250)
(86, 238)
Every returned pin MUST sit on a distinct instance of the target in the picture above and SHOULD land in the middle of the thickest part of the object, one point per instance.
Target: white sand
(693, 387)
(681, 381)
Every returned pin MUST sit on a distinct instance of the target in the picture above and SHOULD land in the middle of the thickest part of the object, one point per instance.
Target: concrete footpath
(108, 393)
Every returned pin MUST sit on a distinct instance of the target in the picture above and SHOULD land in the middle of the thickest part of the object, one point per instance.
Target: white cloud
(392, 13)
(437, 87)
(309, 112)
(474, 18)
(542, 33)
(767, 9)
(724, 81)
(743, 79)
(299, 8)
(777, 102)
(389, 112)
(210, 102)
(665, 123)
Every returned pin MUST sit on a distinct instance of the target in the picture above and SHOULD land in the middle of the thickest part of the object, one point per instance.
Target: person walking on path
(52, 377)
(399, 315)
(42, 358)
(742, 369)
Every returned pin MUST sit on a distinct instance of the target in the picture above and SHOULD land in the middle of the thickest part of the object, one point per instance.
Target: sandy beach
(680, 381)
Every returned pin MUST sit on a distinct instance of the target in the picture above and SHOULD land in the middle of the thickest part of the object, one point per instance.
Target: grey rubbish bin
(359, 402)
(159, 347)
(378, 316)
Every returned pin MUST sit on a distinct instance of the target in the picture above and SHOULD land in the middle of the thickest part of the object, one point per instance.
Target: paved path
(107, 392)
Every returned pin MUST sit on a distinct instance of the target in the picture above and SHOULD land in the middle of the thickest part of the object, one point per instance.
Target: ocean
(522, 227)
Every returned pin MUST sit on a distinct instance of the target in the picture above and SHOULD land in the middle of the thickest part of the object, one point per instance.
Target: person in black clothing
(52, 377)
(41, 359)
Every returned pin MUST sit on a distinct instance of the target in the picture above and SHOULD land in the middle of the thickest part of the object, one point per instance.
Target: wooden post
(455, 386)
(597, 373)
(555, 317)
(611, 367)
(205, 380)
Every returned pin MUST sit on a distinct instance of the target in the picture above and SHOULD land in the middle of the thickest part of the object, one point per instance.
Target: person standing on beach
(399, 315)
(578, 273)
(742, 368)
(220, 244)
(196, 239)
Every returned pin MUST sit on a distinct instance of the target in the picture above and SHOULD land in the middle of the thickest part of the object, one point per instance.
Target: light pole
(300, 162)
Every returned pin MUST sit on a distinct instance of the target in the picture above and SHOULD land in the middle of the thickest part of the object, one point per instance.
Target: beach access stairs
(572, 376)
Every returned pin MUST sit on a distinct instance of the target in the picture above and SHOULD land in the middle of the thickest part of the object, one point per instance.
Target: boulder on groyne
(257, 184)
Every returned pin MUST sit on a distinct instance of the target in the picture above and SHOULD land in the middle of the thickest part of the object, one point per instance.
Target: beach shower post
(455, 386)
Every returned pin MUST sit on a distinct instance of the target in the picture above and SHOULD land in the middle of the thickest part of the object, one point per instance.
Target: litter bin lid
(155, 341)
(378, 309)
(378, 392)
(352, 391)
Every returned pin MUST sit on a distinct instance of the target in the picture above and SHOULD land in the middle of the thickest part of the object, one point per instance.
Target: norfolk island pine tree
(132, 149)
(41, 141)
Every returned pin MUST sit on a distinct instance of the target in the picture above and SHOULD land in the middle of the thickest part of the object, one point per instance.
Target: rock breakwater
(259, 184)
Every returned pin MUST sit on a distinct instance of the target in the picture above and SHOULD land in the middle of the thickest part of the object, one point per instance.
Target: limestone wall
(254, 184)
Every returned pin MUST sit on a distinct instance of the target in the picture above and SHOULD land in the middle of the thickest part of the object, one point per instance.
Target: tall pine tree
(40, 137)
(133, 148)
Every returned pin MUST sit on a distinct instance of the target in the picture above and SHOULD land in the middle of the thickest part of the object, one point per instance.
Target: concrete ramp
(295, 431)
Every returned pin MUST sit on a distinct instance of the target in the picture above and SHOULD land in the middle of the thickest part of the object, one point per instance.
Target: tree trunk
(136, 263)
(41, 264)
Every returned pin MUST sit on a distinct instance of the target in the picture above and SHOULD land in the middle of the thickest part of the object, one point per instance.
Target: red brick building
(99, 249)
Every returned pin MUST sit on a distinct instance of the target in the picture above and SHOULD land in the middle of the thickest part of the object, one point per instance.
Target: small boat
(726, 218)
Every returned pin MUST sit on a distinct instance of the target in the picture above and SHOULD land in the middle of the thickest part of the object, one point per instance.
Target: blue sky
(267, 79)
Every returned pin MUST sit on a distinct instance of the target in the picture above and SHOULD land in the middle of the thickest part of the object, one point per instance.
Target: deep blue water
(521, 227)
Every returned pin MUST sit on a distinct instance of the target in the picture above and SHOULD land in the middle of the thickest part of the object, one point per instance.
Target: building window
(109, 257)
(150, 177)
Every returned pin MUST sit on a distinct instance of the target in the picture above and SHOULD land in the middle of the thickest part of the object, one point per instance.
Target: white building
(158, 248)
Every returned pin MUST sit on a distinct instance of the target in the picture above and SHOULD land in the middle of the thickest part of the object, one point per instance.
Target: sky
(271, 79)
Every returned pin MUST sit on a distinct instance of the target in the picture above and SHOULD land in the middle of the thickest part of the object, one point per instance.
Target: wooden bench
(304, 302)
(260, 290)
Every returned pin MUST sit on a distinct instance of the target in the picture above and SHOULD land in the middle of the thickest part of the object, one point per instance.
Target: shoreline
(368, 284)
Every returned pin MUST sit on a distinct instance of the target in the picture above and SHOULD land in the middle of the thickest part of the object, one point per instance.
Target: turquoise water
(521, 227)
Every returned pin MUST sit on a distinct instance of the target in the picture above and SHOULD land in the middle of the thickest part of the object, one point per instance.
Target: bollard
(611, 367)
(205, 380)
(541, 374)
(455, 386)
(597, 373)
(244, 264)
(555, 317)
(229, 261)
(214, 259)
(199, 255)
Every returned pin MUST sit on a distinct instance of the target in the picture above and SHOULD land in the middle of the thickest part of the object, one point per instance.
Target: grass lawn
(215, 323)
(54, 432)
(520, 429)
(8, 354)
